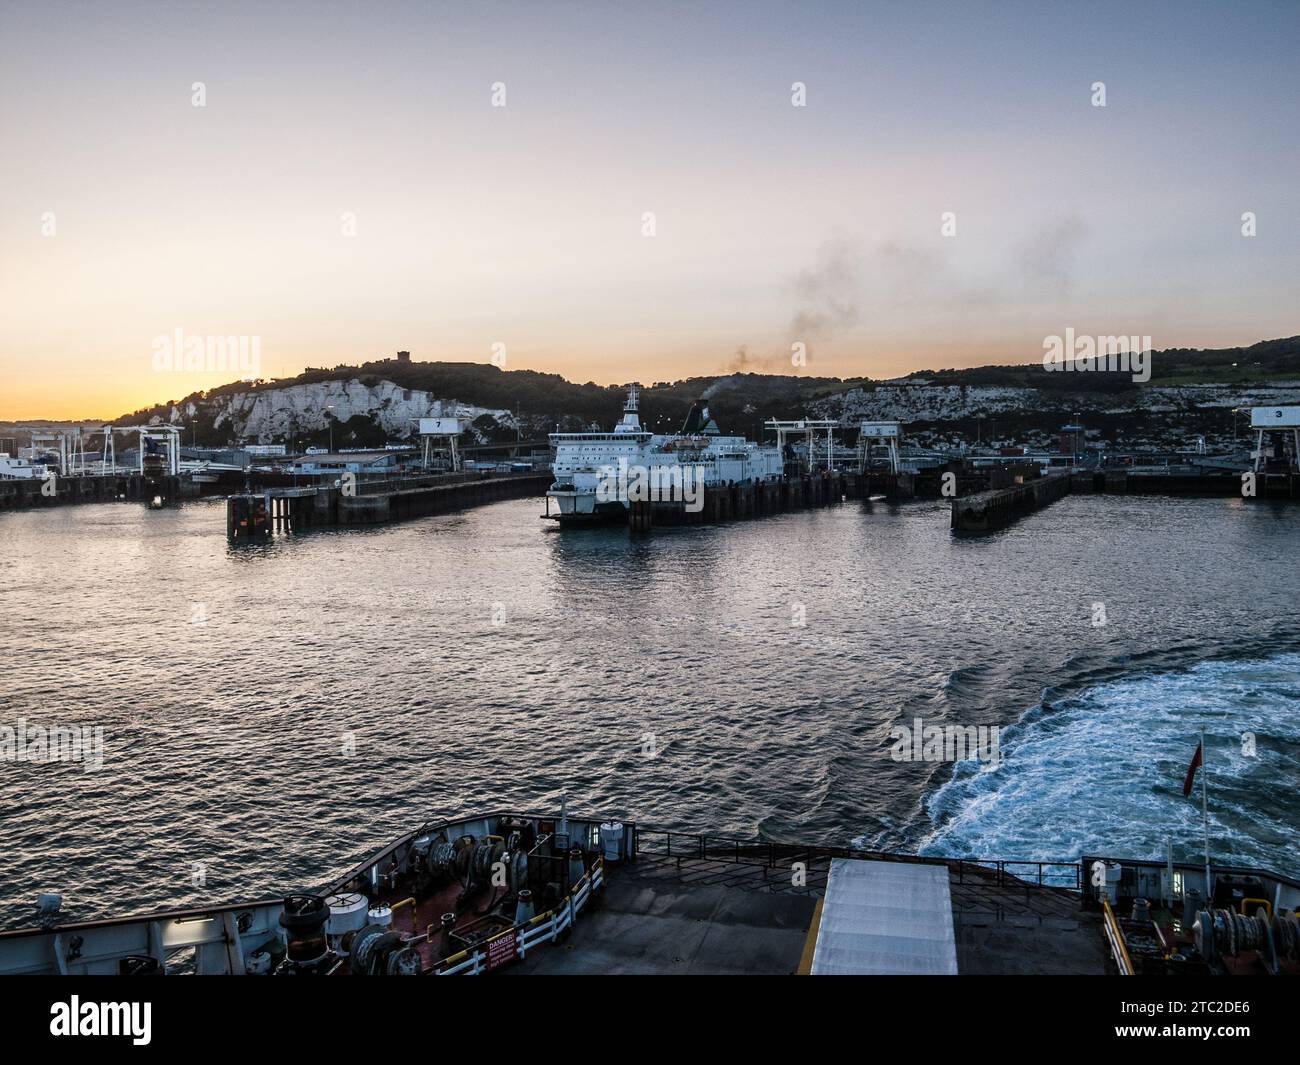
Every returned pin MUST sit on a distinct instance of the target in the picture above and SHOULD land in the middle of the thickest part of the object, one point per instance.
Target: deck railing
(684, 846)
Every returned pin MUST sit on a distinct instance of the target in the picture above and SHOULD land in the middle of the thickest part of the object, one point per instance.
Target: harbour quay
(739, 502)
(257, 515)
(999, 507)
(1268, 485)
(92, 488)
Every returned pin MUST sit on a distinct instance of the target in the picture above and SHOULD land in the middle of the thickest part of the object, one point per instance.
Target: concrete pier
(258, 515)
(37, 492)
(739, 502)
(993, 509)
(1122, 482)
(893, 486)
(998, 507)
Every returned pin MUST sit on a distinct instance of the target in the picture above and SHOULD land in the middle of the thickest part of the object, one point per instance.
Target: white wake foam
(1101, 771)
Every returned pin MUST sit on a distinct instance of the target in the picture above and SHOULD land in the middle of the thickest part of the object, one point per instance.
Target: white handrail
(543, 928)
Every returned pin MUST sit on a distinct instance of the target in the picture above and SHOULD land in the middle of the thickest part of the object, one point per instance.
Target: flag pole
(1205, 819)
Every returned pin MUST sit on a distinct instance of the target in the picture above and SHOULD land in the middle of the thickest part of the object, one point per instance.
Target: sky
(350, 186)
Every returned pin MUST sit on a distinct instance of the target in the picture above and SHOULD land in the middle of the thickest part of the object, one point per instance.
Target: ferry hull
(582, 508)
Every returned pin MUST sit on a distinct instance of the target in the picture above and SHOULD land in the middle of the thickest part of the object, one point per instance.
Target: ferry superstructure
(586, 467)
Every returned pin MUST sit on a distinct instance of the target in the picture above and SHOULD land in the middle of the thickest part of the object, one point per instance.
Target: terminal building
(329, 462)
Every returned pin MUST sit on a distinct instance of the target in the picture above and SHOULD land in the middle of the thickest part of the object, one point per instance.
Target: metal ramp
(885, 918)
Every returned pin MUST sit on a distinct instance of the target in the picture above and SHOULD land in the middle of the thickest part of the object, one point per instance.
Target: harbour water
(272, 712)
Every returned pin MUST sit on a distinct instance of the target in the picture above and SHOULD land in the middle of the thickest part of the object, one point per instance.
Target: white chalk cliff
(271, 414)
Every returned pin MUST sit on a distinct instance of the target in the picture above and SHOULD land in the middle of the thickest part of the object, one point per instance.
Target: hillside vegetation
(740, 402)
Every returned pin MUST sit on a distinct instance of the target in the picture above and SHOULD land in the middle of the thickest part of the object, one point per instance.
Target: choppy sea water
(272, 713)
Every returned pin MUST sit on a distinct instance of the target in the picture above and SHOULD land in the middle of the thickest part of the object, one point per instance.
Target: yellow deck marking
(810, 944)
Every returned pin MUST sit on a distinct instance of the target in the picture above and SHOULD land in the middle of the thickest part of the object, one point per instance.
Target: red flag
(1191, 772)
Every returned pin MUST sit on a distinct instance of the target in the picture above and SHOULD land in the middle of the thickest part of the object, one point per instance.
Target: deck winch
(498, 862)
(379, 951)
(303, 919)
(441, 894)
(1223, 933)
(487, 853)
(436, 861)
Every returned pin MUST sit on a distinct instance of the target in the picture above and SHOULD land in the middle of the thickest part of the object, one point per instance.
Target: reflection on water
(272, 712)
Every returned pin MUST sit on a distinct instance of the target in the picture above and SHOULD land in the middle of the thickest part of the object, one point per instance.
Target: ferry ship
(17, 469)
(586, 465)
(498, 891)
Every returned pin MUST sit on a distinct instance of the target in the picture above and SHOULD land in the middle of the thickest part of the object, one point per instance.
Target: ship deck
(669, 915)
